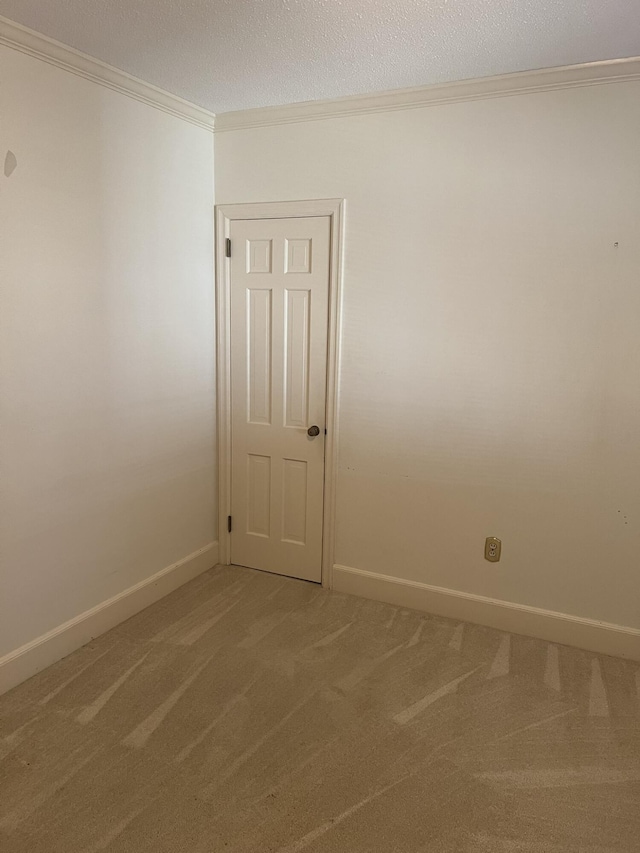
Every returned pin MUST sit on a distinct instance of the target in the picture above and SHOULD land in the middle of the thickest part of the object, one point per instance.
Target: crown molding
(42, 47)
(55, 53)
(501, 86)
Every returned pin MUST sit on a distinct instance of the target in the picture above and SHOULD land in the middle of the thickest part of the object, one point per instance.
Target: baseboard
(601, 637)
(36, 655)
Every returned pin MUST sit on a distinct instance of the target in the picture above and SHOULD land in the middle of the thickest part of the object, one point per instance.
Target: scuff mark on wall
(10, 164)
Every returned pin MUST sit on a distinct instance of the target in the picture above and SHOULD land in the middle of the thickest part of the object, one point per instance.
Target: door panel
(279, 328)
(259, 312)
(296, 391)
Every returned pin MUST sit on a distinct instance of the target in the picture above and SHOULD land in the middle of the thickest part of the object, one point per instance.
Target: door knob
(313, 431)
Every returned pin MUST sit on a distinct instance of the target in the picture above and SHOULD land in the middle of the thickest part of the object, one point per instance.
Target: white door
(279, 329)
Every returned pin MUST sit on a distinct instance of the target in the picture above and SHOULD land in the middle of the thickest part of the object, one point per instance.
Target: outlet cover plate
(492, 549)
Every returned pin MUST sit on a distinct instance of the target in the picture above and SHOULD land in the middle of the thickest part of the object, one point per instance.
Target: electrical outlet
(492, 549)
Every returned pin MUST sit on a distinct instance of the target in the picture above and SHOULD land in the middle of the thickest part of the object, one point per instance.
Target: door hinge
(228, 524)
(227, 247)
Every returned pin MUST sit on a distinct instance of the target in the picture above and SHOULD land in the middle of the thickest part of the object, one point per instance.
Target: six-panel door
(279, 327)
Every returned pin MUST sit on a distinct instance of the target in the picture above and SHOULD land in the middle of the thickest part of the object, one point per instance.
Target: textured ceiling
(233, 54)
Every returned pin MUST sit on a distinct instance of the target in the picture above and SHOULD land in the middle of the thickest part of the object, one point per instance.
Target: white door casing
(279, 313)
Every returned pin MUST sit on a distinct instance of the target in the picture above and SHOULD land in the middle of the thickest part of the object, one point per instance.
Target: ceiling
(234, 54)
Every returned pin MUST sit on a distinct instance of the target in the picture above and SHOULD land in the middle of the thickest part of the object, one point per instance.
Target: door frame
(334, 208)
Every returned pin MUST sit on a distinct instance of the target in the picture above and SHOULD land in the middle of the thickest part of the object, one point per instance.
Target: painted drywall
(490, 346)
(106, 345)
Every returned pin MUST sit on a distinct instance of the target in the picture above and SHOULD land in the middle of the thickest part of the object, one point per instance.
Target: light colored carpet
(249, 713)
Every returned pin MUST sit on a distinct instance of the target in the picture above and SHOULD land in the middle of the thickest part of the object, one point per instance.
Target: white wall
(491, 346)
(106, 345)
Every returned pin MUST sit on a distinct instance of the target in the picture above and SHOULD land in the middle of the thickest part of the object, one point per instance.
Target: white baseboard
(36, 655)
(601, 637)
